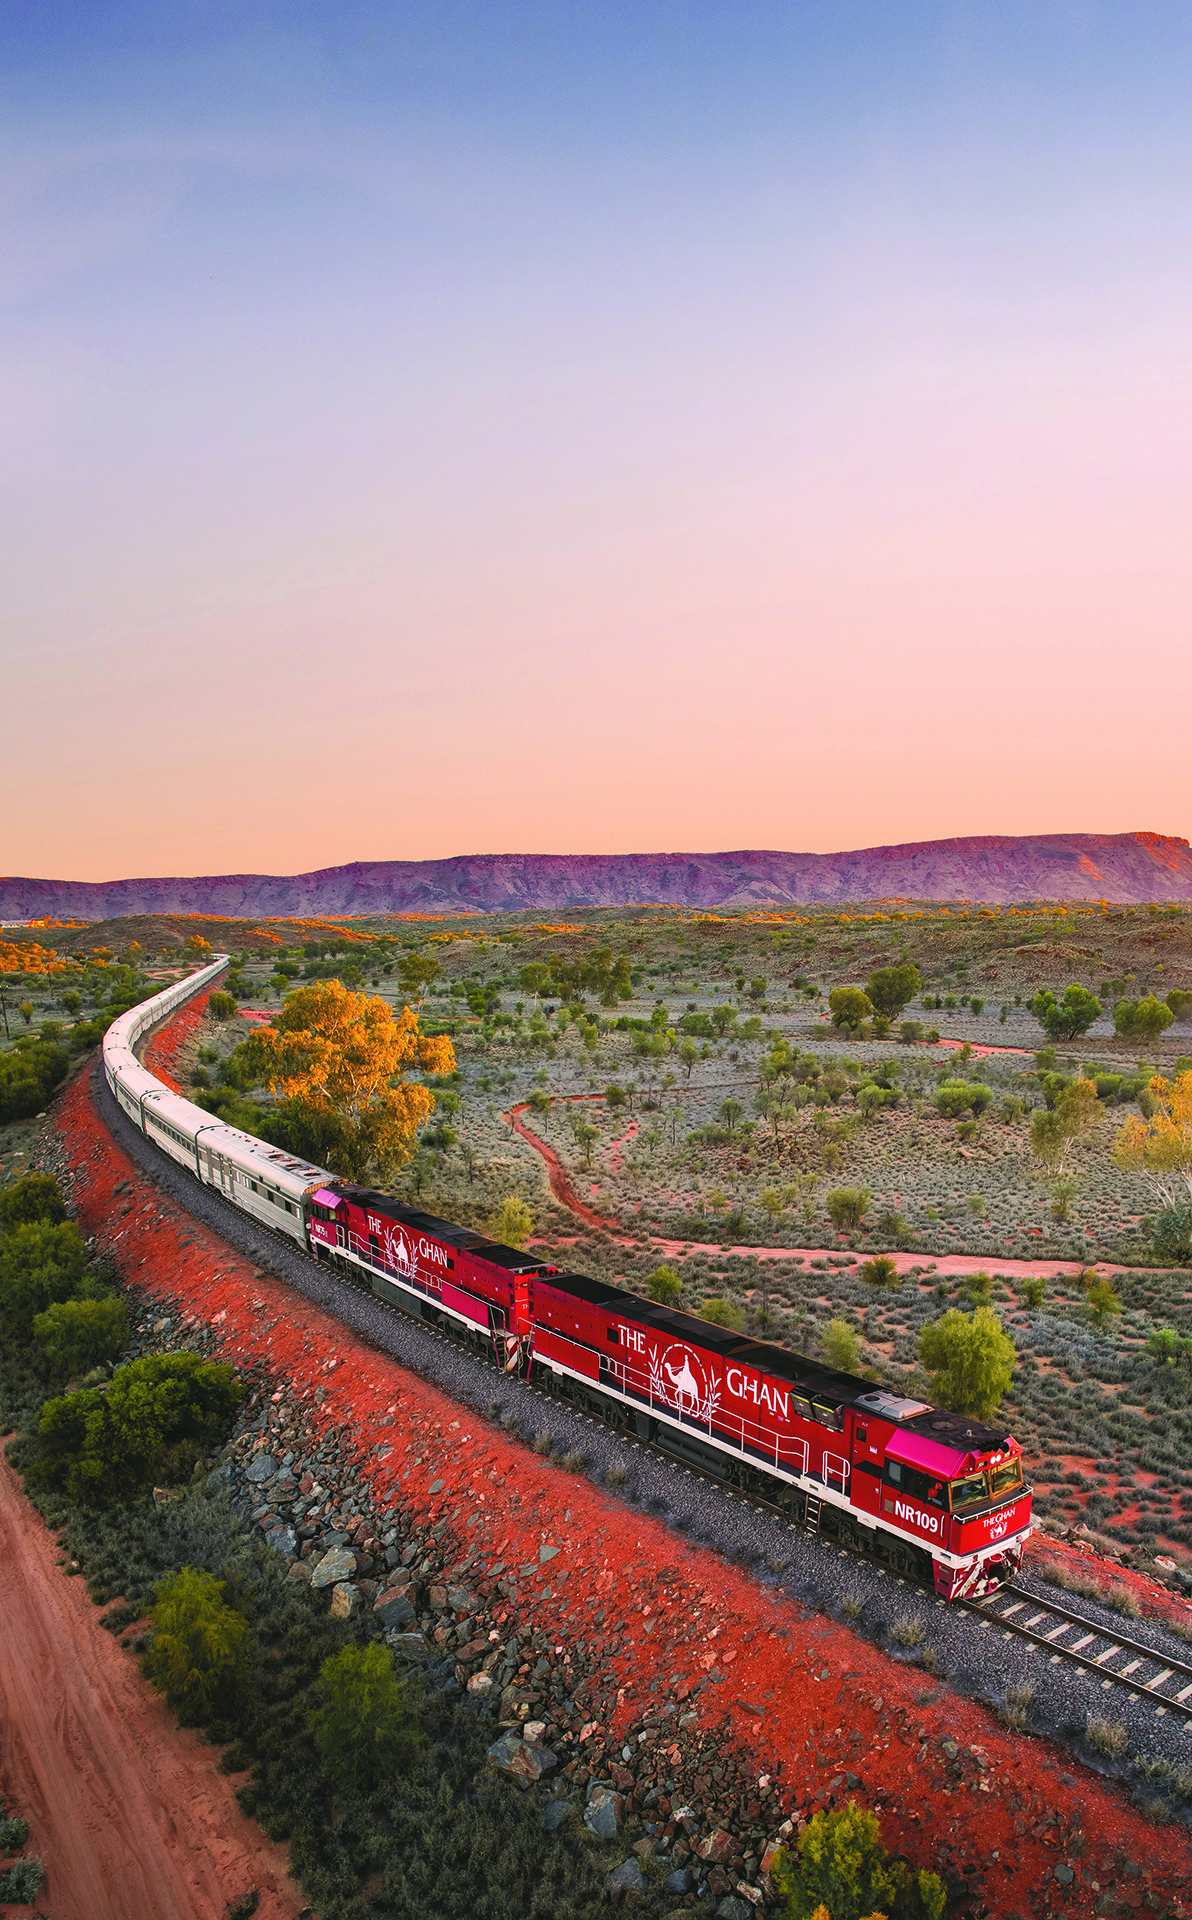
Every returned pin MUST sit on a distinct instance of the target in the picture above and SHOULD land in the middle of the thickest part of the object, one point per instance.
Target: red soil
(127, 1811)
(161, 1054)
(804, 1697)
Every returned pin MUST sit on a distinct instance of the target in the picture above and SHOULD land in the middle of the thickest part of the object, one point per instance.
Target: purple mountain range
(995, 868)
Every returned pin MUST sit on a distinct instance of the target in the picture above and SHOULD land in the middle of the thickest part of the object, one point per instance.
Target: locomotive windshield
(1006, 1478)
(972, 1491)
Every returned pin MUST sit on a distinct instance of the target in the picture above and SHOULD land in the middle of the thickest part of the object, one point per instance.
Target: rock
(718, 1883)
(162, 1496)
(1065, 1876)
(754, 1895)
(345, 1601)
(770, 1855)
(220, 1477)
(261, 1467)
(602, 1815)
(717, 1848)
(545, 1554)
(335, 1566)
(626, 1880)
(411, 1645)
(481, 1683)
(678, 1882)
(533, 1729)
(283, 1540)
(950, 1749)
(460, 1600)
(300, 1571)
(394, 1610)
(732, 1907)
(521, 1759)
(554, 1814)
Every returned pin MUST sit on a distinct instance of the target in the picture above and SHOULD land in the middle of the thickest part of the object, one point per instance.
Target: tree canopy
(890, 989)
(970, 1359)
(850, 1008)
(157, 1414)
(1065, 1019)
(1160, 1148)
(366, 1723)
(1056, 1129)
(341, 1057)
(200, 1645)
(842, 1871)
(1141, 1019)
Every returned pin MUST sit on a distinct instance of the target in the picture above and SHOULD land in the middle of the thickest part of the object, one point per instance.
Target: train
(938, 1497)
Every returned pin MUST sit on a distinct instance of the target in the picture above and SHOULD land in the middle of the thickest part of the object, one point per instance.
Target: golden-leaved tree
(340, 1059)
(1160, 1147)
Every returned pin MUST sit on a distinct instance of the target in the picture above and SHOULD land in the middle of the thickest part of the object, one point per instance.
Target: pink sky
(395, 481)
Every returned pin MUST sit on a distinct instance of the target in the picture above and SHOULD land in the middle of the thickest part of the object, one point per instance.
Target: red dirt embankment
(127, 1811)
(805, 1698)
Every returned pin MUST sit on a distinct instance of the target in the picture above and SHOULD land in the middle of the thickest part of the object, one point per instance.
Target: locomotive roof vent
(892, 1406)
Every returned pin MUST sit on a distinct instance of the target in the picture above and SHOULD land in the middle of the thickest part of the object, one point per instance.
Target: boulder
(394, 1610)
(521, 1759)
(460, 1600)
(625, 1880)
(411, 1645)
(345, 1601)
(481, 1683)
(283, 1540)
(732, 1907)
(603, 1813)
(680, 1881)
(717, 1848)
(554, 1813)
(300, 1571)
(335, 1566)
(261, 1467)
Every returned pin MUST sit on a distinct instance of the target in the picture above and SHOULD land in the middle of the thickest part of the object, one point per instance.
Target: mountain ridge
(993, 869)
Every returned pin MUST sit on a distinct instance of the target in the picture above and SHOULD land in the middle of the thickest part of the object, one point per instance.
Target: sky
(495, 428)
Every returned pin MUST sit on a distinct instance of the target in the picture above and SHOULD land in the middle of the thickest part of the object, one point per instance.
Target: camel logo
(678, 1380)
(402, 1255)
(997, 1524)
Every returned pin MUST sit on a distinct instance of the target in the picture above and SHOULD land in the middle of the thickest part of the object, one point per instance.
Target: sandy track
(125, 1808)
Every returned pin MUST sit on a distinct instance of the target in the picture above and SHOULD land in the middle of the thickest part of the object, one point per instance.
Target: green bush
(665, 1286)
(1141, 1019)
(846, 1207)
(1171, 1234)
(1065, 1019)
(29, 1076)
(201, 1647)
(844, 1869)
(841, 1346)
(970, 1360)
(156, 1417)
(34, 1199)
(221, 1006)
(954, 1097)
(39, 1264)
(76, 1335)
(366, 1722)
(722, 1313)
(22, 1882)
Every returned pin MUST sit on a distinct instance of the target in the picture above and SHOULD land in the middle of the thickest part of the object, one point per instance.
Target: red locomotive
(935, 1495)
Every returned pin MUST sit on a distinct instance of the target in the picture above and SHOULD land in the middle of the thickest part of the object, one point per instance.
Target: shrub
(842, 1347)
(513, 1223)
(954, 1097)
(906, 1631)
(366, 1723)
(13, 1833)
(1141, 1019)
(22, 1882)
(722, 1313)
(32, 1200)
(909, 1031)
(76, 1335)
(1032, 1292)
(221, 1006)
(890, 989)
(844, 1869)
(850, 1008)
(29, 1075)
(881, 1271)
(846, 1207)
(156, 1416)
(39, 1264)
(1180, 1004)
(970, 1360)
(1171, 1234)
(665, 1286)
(201, 1647)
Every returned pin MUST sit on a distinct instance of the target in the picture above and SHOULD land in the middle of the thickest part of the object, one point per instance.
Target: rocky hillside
(997, 868)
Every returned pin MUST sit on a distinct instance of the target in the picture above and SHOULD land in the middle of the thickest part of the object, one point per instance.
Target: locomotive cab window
(1007, 1478)
(862, 1436)
(972, 1491)
(613, 1335)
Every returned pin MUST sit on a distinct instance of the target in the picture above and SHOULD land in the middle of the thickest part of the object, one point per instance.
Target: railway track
(1114, 1657)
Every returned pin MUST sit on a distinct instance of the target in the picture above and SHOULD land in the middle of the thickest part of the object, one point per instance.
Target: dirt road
(125, 1808)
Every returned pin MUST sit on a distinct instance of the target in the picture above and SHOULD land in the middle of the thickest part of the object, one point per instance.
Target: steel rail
(994, 1612)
